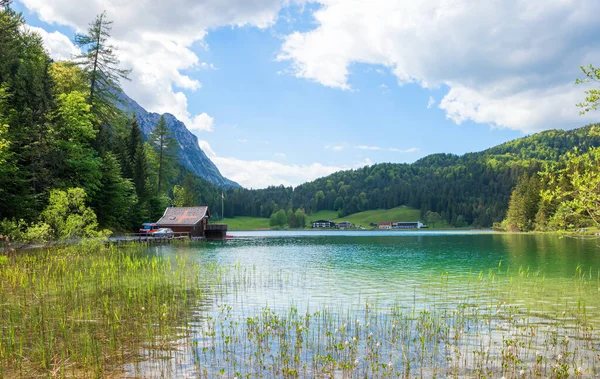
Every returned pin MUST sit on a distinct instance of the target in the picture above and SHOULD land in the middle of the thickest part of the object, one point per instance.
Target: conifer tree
(165, 147)
(116, 200)
(137, 167)
(101, 66)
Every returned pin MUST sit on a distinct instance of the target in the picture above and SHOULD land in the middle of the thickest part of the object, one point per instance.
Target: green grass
(378, 215)
(84, 310)
(401, 213)
(246, 223)
(89, 311)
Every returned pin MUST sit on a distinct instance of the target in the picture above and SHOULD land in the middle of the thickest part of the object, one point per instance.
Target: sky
(286, 91)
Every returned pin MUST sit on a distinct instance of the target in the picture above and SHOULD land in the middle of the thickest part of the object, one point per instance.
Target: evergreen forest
(72, 164)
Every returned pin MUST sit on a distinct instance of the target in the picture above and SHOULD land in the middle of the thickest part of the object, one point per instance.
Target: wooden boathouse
(192, 220)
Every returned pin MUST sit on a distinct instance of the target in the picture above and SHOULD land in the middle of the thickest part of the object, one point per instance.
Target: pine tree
(136, 158)
(25, 102)
(165, 147)
(117, 198)
(101, 66)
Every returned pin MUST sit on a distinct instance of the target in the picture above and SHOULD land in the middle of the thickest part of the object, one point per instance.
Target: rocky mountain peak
(191, 155)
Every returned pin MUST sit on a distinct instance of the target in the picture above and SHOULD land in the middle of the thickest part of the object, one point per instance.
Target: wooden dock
(152, 238)
(216, 231)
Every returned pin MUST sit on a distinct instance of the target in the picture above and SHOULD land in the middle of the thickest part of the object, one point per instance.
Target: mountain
(190, 154)
(473, 188)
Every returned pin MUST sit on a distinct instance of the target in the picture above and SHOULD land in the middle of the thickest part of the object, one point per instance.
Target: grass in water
(94, 311)
(86, 310)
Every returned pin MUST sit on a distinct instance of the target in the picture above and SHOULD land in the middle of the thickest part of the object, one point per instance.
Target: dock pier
(216, 231)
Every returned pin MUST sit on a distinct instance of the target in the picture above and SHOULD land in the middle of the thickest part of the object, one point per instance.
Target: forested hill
(470, 189)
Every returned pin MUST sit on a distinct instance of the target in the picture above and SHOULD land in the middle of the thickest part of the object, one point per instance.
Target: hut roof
(183, 216)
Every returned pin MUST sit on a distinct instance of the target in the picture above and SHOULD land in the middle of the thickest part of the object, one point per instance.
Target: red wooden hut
(192, 220)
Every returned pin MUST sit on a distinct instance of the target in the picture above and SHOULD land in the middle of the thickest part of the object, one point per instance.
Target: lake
(394, 304)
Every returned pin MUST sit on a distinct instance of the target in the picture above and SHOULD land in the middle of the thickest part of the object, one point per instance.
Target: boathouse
(192, 220)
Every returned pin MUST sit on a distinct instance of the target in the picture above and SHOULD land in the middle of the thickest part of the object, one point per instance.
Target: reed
(86, 310)
(94, 311)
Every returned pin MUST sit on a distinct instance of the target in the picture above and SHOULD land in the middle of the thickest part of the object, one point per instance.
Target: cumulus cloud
(202, 123)
(392, 149)
(506, 63)
(205, 146)
(430, 102)
(264, 173)
(154, 38)
(59, 46)
(334, 147)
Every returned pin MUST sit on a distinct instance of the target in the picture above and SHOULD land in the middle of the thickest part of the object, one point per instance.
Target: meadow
(363, 219)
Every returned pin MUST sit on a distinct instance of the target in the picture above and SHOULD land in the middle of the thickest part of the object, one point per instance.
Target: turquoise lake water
(345, 267)
(391, 304)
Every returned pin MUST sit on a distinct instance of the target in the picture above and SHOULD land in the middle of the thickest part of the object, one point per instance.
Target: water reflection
(485, 292)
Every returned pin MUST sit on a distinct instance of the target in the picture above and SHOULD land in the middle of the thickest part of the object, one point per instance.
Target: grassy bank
(83, 311)
(246, 223)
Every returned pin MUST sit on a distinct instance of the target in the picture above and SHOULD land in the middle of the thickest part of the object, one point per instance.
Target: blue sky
(284, 92)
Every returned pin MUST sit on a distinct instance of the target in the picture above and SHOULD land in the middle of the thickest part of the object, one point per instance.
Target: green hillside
(471, 189)
(378, 215)
(365, 218)
(246, 223)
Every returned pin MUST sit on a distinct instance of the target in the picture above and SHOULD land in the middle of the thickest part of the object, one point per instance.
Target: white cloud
(366, 147)
(507, 63)
(280, 155)
(207, 149)
(363, 163)
(430, 102)
(59, 46)
(210, 66)
(242, 140)
(154, 38)
(334, 147)
(201, 123)
(264, 173)
(392, 149)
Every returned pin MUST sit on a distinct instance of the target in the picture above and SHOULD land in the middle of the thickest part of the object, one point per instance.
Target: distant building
(408, 225)
(192, 220)
(323, 224)
(385, 225)
(344, 225)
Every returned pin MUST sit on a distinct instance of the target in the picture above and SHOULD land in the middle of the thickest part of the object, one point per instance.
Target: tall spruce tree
(137, 160)
(117, 198)
(25, 102)
(165, 147)
(101, 66)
